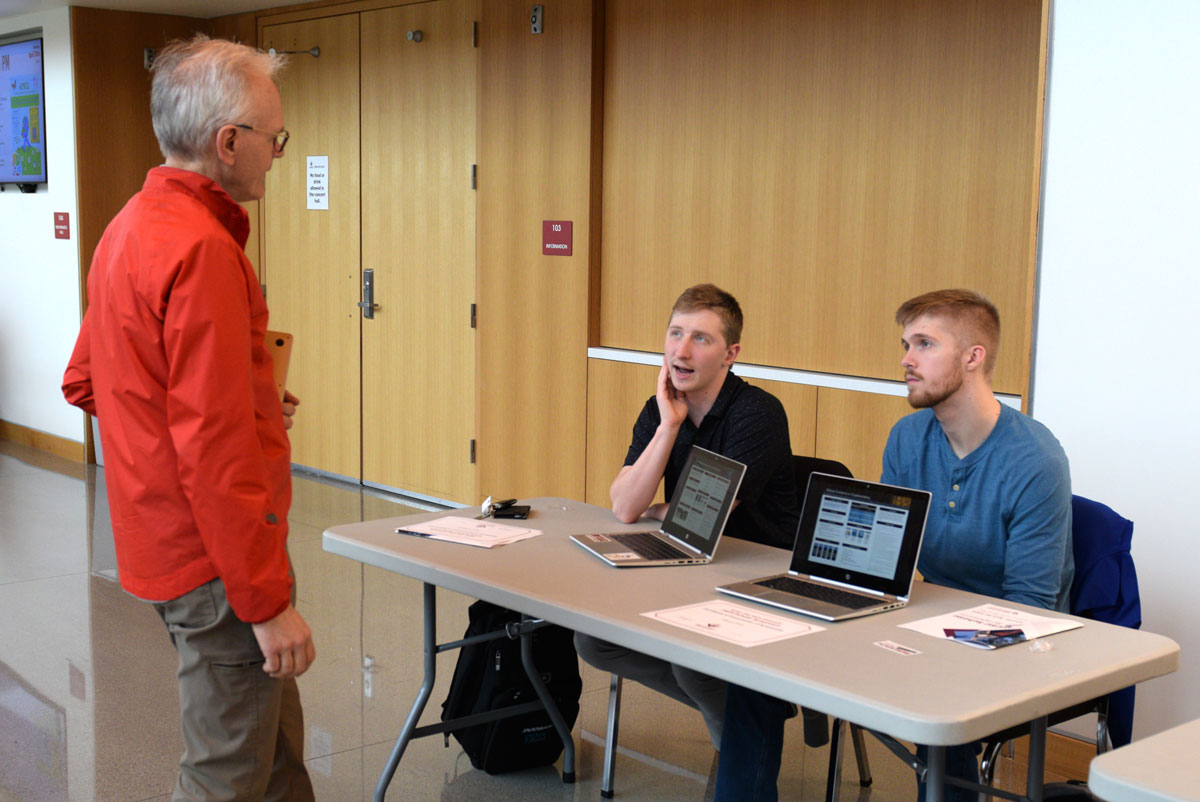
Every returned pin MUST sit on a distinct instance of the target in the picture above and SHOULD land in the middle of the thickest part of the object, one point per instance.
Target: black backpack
(489, 676)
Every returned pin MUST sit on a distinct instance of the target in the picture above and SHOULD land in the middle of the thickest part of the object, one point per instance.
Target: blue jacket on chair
(1106, 588)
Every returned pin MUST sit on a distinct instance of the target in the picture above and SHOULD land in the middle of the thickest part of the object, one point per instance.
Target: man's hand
(286, 642)
(290, 402)
(672, 404)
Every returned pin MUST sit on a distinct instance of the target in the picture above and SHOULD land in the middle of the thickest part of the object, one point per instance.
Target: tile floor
(88, 707)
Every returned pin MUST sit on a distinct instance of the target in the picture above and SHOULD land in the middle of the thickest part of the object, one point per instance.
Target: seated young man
(999, 523)
(698, 401)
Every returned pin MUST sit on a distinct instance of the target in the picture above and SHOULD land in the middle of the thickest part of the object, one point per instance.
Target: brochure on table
(469, 531)
(990, 626)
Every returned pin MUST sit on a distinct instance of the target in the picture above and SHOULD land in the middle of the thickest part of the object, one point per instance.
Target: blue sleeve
(1039, 539)
(891, 458)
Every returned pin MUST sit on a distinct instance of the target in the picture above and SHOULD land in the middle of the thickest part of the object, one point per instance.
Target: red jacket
(171, 360)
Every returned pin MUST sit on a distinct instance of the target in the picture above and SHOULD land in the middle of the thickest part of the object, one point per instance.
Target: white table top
(949, 694)
(1162, 768)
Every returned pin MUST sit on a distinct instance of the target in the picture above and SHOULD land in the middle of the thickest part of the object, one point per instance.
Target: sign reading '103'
(556, 237)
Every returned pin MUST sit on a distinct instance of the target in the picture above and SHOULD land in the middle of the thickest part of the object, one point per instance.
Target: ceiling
(186, 8)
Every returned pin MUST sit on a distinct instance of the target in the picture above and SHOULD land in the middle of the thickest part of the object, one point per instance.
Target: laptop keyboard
(812, 590)
(646, 545)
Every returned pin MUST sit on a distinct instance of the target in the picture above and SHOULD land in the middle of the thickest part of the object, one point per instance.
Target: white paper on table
(734, 623)
(991, 616)
(469, 531)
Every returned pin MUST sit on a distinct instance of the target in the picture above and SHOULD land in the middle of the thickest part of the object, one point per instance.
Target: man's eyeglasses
(281, 138)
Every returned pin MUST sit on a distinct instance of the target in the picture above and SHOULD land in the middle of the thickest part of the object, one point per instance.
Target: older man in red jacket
(171, 359)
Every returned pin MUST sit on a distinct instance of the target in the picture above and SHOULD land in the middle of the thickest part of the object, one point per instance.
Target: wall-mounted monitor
(22, 114)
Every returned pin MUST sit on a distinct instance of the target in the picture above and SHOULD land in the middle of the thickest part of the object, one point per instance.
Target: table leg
(610, 739)
(1036, 779)
(860, 755)
(833, 777)
(414, 715)
(935, 774)
(560, 724)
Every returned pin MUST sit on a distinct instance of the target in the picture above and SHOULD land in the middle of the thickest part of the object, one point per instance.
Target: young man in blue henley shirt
(999, 523)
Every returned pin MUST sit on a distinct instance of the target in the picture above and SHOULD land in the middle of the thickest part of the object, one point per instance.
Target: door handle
(367, 304)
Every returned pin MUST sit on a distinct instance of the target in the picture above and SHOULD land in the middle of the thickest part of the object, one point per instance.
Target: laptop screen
(703, 498)
(860, 533)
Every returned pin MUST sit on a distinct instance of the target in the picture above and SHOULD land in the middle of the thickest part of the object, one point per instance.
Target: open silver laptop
(692, 527)
(855, 554)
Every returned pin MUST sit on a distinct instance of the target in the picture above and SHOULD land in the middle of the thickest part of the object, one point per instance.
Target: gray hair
(200, 85)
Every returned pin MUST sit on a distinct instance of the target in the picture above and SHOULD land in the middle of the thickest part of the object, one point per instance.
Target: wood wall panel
(115, 144)
(618, 390)
(800, 403)
(852, 428)
(616, 393)
(236, 28)
(823, 160)
(535, 163)
(298, 12)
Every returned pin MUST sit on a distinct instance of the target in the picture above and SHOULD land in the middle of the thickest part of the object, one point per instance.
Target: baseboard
(51, 444)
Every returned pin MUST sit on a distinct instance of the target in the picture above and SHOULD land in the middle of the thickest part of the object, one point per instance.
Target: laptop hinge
(684, 544)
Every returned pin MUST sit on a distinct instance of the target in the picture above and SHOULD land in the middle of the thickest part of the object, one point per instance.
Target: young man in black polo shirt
(699, 402)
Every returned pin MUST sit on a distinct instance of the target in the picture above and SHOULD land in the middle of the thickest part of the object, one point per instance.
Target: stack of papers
(990, 626)
(471, 531)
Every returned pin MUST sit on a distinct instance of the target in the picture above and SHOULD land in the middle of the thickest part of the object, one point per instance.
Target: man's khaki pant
(243, 732)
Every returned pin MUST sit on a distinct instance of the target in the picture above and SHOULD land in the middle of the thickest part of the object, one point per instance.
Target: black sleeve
(643, 431)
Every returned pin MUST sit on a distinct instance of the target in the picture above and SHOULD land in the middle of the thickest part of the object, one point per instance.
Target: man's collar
(729, 389)
(975, 424)
(204, 189)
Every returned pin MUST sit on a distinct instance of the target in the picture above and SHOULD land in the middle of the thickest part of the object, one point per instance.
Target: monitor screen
(22, 113)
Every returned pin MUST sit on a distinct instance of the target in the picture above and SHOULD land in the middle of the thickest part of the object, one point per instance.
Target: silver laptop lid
(702, 501)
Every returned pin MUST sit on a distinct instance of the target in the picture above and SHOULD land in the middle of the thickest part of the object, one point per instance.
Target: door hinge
(474, 176)
(472, 315)
(472, 452)
(264, 290)
(475, 34)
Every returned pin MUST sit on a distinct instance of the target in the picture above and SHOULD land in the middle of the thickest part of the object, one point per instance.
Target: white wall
(39, 275)
(1119, 300)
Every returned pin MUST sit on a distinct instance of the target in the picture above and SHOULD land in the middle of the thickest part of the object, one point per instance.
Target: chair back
(805, 466)
(1105, 588)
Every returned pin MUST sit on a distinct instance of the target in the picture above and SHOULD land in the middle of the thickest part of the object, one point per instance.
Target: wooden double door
(390, 102)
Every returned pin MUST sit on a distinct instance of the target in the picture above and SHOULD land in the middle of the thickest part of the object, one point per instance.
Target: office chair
(816, 725)
(809, 465)
(1103, 589)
